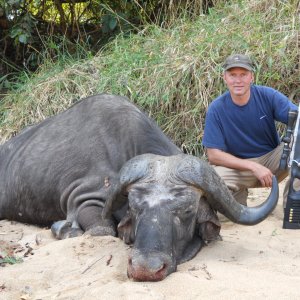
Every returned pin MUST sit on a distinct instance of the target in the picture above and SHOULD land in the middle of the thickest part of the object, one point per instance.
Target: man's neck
(240, 100)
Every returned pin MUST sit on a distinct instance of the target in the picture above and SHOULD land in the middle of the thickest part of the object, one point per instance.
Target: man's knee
(281, 175)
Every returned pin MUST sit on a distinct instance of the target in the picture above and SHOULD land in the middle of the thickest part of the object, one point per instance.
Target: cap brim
(238, 65)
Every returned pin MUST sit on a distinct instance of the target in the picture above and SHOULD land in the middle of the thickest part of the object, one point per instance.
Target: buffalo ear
(125, 229)
(132, 171)
(208, 222)
(114, 200)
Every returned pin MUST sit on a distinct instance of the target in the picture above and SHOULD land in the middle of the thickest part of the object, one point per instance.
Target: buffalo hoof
(63, 230)
(101, 230)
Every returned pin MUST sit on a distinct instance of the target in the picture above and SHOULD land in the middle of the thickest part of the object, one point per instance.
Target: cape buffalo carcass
(103, 162)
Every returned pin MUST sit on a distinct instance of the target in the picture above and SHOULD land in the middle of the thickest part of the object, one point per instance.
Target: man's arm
(220, 158)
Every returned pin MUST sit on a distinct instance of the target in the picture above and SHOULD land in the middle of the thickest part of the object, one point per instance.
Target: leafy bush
(25, 25)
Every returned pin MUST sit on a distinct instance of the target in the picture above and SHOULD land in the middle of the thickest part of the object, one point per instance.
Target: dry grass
(173, 73)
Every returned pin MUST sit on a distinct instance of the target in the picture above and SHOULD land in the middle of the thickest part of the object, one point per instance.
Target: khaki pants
(239, 181)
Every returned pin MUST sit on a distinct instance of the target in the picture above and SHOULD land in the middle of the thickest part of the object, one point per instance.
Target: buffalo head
(171, 211)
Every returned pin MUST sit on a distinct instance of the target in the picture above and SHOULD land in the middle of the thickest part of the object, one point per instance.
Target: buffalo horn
(199, 173)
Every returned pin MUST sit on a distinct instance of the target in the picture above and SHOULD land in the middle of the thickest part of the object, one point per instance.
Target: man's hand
(263, 174)
(221, 158)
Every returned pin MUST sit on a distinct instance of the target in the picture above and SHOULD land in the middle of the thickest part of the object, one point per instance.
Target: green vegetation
(172, 73)
(10, 260)
(25, 25)
(7, 254)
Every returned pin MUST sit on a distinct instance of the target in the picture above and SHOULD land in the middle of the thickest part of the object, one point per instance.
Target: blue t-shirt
(249, 130)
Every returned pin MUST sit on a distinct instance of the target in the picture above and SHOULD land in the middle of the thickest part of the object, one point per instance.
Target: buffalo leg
(64, 229)
(91, 221)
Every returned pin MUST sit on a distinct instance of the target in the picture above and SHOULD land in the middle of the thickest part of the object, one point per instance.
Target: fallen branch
(92, 264)
(109, 260)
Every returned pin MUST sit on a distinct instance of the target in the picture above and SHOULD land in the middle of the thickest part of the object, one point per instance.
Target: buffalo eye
(136, 201)
(184, 212)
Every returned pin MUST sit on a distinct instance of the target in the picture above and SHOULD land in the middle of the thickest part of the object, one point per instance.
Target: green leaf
(112, 23)
(15, 3)
(14, 32)
(23, 38)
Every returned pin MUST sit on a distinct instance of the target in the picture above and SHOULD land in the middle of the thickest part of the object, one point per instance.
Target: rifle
(291, 158)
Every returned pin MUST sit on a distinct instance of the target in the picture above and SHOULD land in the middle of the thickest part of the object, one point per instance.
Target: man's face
(238, 81)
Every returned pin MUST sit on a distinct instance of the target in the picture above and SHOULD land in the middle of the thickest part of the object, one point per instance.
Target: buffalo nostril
(162, 269)
(130, 261)
(163, 266)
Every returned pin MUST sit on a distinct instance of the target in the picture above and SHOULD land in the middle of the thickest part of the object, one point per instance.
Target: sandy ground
(258, 262)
